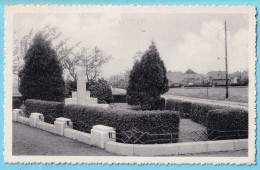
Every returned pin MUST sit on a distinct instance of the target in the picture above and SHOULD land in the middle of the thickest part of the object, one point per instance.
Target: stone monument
(82, 96)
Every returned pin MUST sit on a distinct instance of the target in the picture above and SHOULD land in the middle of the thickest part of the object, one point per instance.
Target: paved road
(32, 141)
(209, 101)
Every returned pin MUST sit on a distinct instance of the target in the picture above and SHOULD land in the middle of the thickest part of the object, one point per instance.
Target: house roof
(174, 77)
(217, 74)
(193, 76)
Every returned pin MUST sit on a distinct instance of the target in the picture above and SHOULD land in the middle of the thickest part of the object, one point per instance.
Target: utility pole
(226, 60)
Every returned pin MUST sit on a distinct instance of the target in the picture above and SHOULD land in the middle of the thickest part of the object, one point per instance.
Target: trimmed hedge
(17, 102)
(119, 98)
(227, 123)
(154, 122)
(178, 105)
(53, 109)
(199, 112)
(160, 104)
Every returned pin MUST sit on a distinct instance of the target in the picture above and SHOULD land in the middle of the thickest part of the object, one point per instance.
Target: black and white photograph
(130, 84)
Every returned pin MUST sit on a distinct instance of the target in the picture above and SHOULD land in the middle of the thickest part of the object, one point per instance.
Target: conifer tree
(133, 89)
(148, 80)
(41, 77)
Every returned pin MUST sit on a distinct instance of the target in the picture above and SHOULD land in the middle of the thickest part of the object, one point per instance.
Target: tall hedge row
(178, 105)
(50, 110)
(227, 123)
(199, 111)
(119, 98)
(154, 122)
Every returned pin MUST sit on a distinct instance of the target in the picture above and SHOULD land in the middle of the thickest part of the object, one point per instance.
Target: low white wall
(137, 149)
(120, 148)
(23, 120)
(176, 148)
(77, 135)
(45, 126)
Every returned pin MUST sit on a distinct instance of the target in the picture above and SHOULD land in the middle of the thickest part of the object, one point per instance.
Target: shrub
(41, 77)
(119, 98)
(178, 105)
(70, 85)
(50, 110)
(17, 102)
(160, 104)
(154, 122)
(101, 90)
(199, 112)
(227, 123)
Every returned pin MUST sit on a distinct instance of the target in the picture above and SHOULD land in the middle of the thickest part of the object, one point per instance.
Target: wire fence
(138, 137)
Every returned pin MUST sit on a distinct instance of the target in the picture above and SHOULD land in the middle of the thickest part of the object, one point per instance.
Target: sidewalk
(209, 101)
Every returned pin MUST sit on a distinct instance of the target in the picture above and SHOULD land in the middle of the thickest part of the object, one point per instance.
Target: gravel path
(209, 101)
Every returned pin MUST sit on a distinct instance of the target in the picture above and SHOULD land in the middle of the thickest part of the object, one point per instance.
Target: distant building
(213, 78)
(174, 78)
(218, 78)
(189, 78)
(236, 80)
(192, 79)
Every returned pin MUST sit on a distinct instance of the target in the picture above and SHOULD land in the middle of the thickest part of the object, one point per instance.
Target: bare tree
(93, 61)
(120, 80)
(49, 33)
(66, 54)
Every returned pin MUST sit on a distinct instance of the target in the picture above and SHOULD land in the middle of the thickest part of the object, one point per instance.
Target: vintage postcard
(130, 84)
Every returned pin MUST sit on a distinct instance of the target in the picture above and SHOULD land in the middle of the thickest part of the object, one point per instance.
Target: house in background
(212, 78)
(174, 78)
(191, 78)
(218, 78)
(236, 80)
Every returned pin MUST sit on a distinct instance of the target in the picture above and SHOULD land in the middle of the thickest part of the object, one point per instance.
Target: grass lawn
(237, 94)
(33, 141)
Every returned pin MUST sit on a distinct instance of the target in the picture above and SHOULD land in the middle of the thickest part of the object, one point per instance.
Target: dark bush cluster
(17, 102)
(178, 105)
(199, 112)
(50, 110)
(101, 90)
(119, 98)
(227, 123)
(154, 122)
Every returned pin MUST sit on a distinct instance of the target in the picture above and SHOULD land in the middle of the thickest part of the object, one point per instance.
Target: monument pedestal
(82, 96)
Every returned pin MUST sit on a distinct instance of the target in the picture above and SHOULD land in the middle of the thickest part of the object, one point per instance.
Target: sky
(184, 41)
